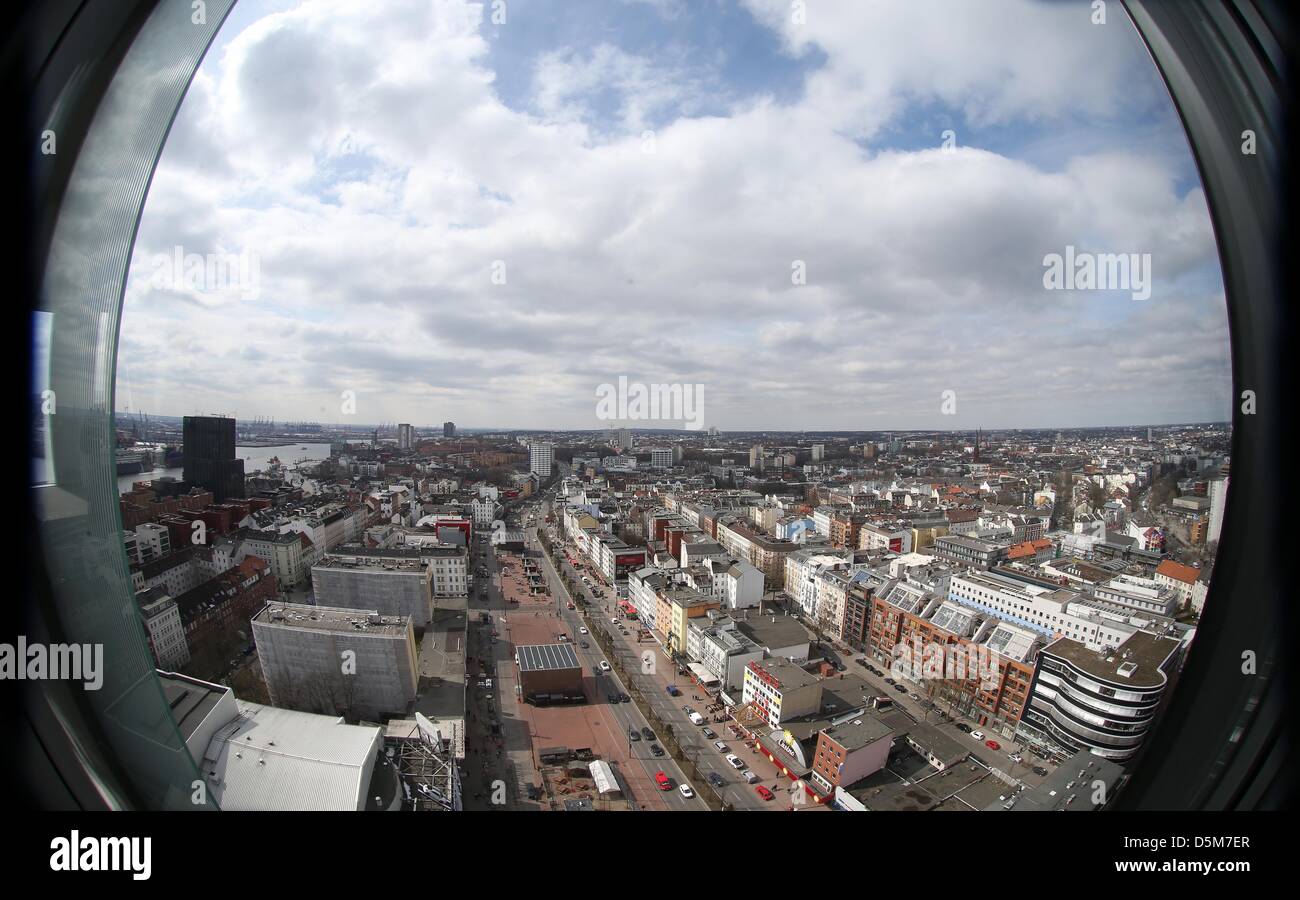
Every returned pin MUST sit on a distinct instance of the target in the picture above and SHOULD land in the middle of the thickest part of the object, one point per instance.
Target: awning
(703, 674)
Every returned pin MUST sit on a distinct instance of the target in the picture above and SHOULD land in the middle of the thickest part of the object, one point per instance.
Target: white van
(696, 718)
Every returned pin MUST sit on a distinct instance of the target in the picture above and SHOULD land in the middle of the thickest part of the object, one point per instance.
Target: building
(850, 751)
(260, 758)
(1102, 702)
(1218, 490)
(405, 436)
(549, 673)
(289, 554)
(216, 611)
(347, 662)
(209, 456)
(967, 551)
(152, 542)
(780, 690)
(390, 584)
(661, 458)
(163, 626)
(541, 459)
(448, 429)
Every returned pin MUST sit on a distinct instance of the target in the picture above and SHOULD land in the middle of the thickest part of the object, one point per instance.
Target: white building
(541, 459)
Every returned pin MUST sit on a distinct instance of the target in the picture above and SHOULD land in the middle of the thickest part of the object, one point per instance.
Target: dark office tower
(209, 456)
(448, 429)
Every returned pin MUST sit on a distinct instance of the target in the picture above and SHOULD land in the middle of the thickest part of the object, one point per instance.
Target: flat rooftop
(373, 564)
(1135, 663)
(332, 619)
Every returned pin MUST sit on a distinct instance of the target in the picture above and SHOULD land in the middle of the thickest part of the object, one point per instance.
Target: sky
(824, 215)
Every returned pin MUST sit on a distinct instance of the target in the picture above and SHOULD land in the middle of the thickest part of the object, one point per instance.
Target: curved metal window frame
(1220, 742)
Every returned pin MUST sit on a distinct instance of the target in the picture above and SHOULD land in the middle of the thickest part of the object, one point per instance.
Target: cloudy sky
(456, 218)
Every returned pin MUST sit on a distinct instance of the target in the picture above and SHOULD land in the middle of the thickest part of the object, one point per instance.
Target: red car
(763, 792)
(993, 745)
(662, 780)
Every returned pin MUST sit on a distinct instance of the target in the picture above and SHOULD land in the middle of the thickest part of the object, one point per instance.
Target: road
(735, 792)
(627, 715)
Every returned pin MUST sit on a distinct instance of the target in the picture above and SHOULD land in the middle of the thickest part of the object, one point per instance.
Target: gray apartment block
(391, 587)
(348, 662)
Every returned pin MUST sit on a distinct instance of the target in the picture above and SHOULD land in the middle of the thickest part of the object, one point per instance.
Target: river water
(255, 459)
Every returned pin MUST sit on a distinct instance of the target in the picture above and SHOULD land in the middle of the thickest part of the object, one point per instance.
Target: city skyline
(378, 192)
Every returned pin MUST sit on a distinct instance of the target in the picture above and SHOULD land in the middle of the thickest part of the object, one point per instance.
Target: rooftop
(332, 618)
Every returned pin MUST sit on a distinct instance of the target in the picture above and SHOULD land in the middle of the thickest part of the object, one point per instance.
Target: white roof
(603, 775)
(280, 759)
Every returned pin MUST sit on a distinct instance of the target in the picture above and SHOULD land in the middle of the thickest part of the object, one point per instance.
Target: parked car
(1015, 757)
(993, 745)
(763, 792)
(749, 776)
(709, 733)
(963, 727)
(721, 747)
(735, 761)
(672, 690)
(889, 681)
(978, 735)
(900, 689)
(1040, 771)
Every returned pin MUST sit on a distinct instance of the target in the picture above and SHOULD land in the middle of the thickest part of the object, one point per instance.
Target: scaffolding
(426, 767)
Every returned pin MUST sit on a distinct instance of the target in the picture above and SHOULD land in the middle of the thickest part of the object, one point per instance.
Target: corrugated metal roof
(281, 759)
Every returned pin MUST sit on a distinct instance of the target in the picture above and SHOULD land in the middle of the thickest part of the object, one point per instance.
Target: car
(1040, 771)
(656, 750)
(583, 631)
(633, 734)
(993, 745)
(662, 780)
(900, 689)
(749, 776)
(889, 681)
(532, 791)
(624, 698)
(672, 690)
(685, 791)
(721, 747)
(764, 792)
(613, 620)
(584, 645)
(862, 661)
(687, 710)
(1015, 757)
(735, 761)
(716, 780)
(963, 727)
(647, 734)
(915, 696)
(604, 666)
(978, 735)
(696, 718)
(710, 733)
